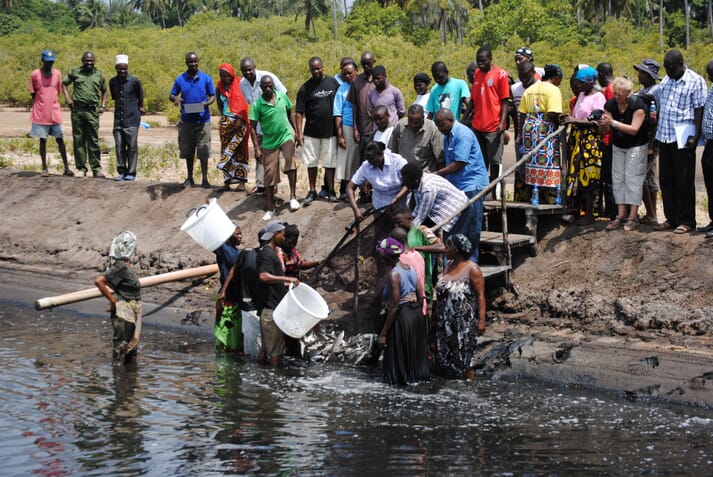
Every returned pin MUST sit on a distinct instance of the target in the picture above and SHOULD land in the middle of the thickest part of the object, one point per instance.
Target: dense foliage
(283, 45)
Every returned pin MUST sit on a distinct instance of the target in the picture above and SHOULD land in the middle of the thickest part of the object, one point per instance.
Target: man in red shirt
(489, 103)
(46, 118)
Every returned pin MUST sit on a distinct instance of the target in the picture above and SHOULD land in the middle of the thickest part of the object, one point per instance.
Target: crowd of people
(418, 165)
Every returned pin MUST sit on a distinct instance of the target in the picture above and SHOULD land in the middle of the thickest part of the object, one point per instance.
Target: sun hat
(649, 66)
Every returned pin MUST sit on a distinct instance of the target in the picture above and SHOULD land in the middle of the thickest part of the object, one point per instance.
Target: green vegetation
(405, 36)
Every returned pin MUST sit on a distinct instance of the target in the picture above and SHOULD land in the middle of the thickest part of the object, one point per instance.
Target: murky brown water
(65, 411)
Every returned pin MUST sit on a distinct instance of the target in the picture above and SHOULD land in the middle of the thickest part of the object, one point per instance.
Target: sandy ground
(626, 312)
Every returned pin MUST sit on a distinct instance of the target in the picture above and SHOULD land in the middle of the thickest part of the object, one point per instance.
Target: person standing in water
(124, 297)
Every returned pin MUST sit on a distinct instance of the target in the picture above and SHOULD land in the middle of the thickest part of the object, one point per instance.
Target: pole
(94, 292)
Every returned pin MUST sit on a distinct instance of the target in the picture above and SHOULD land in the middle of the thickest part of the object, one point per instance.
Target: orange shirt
(488, 92)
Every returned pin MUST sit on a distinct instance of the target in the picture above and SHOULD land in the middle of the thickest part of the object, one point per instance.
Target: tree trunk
(687, 12)
(442, 24)
(710, 17)
(661, 23)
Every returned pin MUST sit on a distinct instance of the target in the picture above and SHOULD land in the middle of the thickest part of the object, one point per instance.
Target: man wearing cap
(46, 117)
(87, 103)
(128, 94)
(681, 96)
(525, 54)
(274, 287)
(193, 92)
(648, 73)
(420, 85)
(418, 140)
(448, 92)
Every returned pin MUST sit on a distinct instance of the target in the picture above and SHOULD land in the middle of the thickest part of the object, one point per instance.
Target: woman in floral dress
(461, 310)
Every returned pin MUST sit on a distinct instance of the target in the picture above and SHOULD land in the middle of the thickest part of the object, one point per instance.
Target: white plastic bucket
(299, 310)
(209, 226)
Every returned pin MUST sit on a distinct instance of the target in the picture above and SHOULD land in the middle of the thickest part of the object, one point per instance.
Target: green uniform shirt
(88, 87)
(123, 281)
(276, 129)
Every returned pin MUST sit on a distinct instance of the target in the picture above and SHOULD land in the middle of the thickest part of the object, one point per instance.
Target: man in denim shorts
(46, 118)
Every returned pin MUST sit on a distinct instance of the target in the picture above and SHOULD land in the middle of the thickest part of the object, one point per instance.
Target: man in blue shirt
(193, 92)
(465, 169)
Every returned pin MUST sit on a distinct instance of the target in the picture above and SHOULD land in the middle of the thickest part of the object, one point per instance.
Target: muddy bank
(626, 312)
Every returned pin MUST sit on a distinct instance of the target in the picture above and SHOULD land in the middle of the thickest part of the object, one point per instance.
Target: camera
(595, 115)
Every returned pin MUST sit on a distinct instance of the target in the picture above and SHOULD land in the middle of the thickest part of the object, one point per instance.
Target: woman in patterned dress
(234, 128)
(585, 145)
(461, 310)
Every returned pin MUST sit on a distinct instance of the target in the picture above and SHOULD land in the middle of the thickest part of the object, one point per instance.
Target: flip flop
(683, 229)
(663, 226)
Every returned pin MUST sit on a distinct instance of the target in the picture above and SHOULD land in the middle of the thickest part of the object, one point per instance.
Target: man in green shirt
(273, 110)
(87, 103)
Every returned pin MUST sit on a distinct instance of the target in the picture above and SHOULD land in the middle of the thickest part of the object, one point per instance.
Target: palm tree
(92, 14)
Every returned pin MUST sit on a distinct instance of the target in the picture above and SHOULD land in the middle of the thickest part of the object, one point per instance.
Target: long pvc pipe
(94, 292)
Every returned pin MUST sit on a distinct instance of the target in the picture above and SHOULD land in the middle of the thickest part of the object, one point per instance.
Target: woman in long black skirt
(403, 334)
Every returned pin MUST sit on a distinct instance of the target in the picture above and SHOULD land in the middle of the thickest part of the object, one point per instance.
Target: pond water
(64, 410)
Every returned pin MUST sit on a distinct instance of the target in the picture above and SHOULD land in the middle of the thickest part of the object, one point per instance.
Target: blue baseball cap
(48, 55)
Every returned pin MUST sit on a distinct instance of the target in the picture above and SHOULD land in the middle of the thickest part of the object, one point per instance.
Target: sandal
(615, 223)
(631, 224)
(683, 229)
(663, 226)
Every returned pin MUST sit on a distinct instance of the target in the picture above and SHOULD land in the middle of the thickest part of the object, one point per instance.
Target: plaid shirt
(437, 199)
(707, 130)
(678, 100)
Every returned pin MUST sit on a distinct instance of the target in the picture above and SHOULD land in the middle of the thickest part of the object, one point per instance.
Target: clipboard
(192, 108)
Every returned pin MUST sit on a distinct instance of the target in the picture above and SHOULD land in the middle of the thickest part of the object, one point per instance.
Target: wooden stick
(94, 292)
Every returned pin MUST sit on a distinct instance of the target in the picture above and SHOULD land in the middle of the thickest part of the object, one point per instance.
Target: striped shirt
(707, 129)
(437, 199)
(678, 100)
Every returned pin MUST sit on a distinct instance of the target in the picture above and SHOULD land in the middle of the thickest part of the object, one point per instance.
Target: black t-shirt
(619, 139)
(269, 295)
(315, 99)
(246, 276)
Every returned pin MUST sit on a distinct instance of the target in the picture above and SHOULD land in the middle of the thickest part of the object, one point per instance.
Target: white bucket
(209, 226)
(299, 310)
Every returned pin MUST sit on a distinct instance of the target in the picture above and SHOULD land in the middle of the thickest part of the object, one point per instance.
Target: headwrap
(421, 78)
(587, 74)
(236, 101)
(461, 244)
(524, 51)
(389, 247)
(123, 246)
(552, 71)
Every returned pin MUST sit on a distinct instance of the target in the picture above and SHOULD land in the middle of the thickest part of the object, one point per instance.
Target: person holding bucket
(228, 328)
(271, 275)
